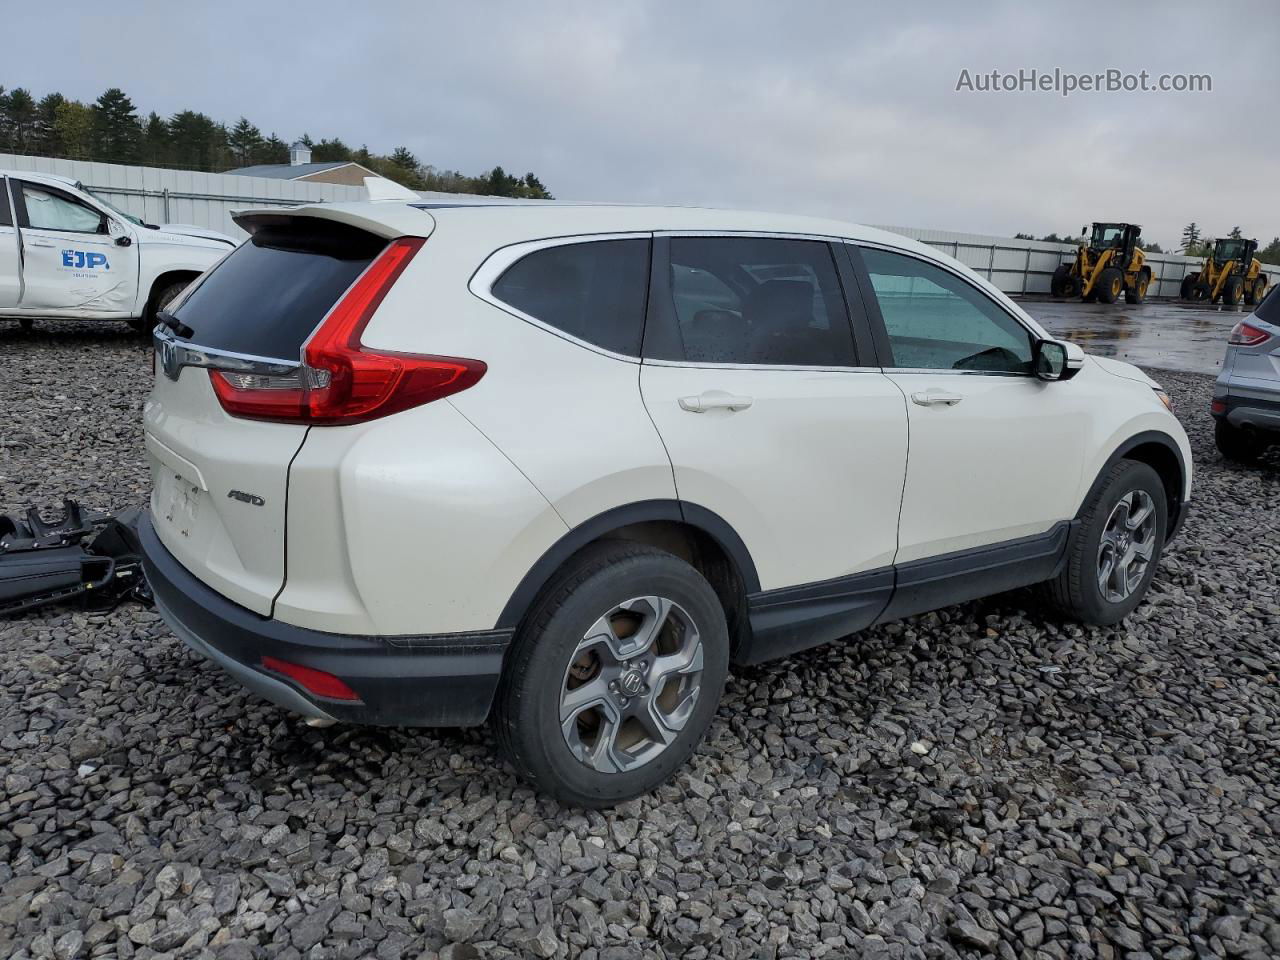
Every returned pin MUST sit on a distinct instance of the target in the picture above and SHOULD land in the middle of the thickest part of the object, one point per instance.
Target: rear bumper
(440, 680)
(1253, 412)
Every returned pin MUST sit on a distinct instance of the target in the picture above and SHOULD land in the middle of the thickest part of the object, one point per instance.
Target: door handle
(40, 243)
(714, 400)
(933, 398)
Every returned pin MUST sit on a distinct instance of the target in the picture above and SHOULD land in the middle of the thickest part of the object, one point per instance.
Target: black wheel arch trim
(1176, 504)
(602, 524)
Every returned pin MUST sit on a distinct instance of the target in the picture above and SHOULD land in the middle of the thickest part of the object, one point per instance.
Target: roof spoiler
(380, 188)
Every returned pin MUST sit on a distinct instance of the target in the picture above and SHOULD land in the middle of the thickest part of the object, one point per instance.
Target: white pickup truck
(68, 254)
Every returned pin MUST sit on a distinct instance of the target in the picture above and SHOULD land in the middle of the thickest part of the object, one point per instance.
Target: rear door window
(757, 300)
(594, 290)
(272, 291)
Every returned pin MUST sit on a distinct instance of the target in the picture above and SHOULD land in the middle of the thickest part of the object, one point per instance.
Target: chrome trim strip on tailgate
(174, 354)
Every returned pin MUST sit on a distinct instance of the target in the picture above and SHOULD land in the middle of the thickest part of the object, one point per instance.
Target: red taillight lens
(1217, 406)
(319, 682)
(341, 381)
(1247, 335)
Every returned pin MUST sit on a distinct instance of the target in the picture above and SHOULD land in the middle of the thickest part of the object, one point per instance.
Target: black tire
(1076, 592)
(1201, 292)
(526, 714)
(1065, 284)
(1188, 285)
(1109, 284)
(1240, 446)
(161, 297)
(26, 323)
(1257, 292)
(1233, 291)
(1138, 292)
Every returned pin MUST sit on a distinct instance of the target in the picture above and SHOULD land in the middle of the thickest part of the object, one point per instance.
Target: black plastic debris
(84, 554)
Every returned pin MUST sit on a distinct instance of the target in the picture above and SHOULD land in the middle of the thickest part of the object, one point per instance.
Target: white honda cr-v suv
(558, 466)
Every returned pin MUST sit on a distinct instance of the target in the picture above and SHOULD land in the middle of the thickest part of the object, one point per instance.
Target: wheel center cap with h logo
(631, 682)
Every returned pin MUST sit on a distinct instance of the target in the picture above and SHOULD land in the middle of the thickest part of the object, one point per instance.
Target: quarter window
(594, 291)
(936, 321)
(47, 210)
(756, 300)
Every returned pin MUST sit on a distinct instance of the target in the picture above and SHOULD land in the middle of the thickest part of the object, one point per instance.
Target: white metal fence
(207, 200)
(183, 196)
(1026, 266)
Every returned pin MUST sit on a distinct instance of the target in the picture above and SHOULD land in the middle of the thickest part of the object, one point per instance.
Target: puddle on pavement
(1168, 335)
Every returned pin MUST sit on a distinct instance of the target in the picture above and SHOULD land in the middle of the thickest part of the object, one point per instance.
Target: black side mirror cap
(123, 241)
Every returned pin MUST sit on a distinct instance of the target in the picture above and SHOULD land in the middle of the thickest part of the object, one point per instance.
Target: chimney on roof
(299, 153)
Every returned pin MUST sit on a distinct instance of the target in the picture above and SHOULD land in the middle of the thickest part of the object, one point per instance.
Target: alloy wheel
(1127, 546)
(631, 684)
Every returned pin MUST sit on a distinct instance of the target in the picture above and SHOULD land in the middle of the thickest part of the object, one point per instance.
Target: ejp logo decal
(84, 260)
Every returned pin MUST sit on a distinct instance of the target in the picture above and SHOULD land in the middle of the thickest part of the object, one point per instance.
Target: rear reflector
(1247, 335)
(340, 380)
(313, 681)
(1218, 406)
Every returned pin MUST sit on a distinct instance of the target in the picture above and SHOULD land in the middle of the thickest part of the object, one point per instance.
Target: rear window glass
(594, 291)
(268, 295)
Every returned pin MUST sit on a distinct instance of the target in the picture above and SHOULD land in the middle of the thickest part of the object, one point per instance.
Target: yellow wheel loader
(1231, 274)
(1108, 264)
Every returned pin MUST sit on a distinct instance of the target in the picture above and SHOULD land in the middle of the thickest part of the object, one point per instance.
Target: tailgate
(219, 481)
(218, 488)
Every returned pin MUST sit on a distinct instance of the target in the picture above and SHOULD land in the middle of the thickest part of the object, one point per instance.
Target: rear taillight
(1217, 407)
(340, 380)
(1247, 335)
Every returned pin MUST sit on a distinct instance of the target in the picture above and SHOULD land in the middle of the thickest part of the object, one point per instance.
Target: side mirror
(123, 241)
(1055, 360)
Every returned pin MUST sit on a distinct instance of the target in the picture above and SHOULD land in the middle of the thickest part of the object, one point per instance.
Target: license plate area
(178, 501)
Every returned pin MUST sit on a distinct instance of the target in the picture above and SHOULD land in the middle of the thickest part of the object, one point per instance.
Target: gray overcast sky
(838, 109)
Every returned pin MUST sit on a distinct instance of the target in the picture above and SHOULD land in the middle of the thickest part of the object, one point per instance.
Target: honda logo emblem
(170, 362)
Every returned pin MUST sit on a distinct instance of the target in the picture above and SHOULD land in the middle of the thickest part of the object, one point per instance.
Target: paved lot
(982, 780)
(1166, 334)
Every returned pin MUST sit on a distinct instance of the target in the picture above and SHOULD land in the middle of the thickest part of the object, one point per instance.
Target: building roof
(285, 171)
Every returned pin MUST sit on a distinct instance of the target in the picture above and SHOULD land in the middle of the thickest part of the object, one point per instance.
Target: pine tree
(1190, 239)
(154, 148)
(45, 139)
(536, 190)
(272, 150)
(403, 158)
(198, 142)
(244, 141)
(1235, 233)
(498, 183)
(20, 116)
(327, 151)
(116, 132)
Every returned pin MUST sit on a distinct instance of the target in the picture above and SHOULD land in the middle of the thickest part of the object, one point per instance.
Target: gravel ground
(975, 781)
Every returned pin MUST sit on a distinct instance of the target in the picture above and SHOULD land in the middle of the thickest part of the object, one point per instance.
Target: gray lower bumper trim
(279, 693)
(1262, 419)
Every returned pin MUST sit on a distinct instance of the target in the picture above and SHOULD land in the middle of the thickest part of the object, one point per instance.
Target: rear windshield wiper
(173, 323)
